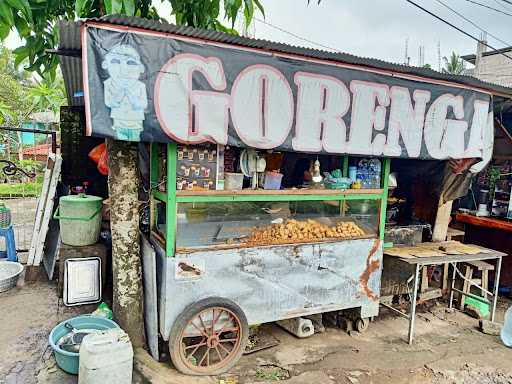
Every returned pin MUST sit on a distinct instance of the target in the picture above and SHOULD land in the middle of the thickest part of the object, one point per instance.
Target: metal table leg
(496, 287)
(412, 315)
(452, 285)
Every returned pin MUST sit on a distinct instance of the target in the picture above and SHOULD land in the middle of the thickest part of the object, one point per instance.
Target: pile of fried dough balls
(303, 231)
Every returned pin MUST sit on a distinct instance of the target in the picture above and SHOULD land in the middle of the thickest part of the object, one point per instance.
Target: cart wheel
(362, 324)
(209, 337)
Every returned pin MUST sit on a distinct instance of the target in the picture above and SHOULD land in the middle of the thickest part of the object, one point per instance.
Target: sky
(378, 28)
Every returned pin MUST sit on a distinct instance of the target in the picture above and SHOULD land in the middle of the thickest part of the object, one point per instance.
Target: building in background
(493, 66)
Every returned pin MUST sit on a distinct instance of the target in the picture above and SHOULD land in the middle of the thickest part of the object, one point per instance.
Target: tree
(47, 94)
(454, 65)
(36, 20)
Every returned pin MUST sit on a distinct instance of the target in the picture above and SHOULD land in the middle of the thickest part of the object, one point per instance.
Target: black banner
(146, 86)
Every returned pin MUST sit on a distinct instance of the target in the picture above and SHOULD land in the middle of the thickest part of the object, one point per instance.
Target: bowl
(69, 361)
(9, 273)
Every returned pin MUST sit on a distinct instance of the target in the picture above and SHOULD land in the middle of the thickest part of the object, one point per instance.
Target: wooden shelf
(282, 192)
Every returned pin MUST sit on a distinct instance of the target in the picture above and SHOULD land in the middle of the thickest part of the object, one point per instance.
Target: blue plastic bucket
(68, 361)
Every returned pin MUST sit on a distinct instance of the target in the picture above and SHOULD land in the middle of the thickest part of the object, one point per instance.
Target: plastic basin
(68, 361)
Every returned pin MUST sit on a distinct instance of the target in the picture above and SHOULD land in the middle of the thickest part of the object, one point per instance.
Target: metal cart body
(274, 282)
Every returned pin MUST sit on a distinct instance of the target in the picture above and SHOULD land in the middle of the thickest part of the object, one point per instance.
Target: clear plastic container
(272, 180)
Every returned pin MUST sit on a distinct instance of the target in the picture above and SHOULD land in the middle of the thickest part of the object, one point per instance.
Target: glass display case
(184, 220)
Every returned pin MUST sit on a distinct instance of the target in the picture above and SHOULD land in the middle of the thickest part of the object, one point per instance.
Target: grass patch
(30, 189)
(272, 373)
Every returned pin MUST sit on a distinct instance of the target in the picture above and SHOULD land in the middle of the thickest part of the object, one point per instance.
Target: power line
(503, 5)
(457, 28)
(489, 7)
(507, 44)
(507, 1)
(295, 35)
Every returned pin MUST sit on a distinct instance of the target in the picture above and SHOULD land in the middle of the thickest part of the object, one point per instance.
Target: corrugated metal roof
(70, 40)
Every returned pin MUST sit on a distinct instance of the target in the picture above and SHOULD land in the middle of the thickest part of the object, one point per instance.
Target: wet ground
(448, 348)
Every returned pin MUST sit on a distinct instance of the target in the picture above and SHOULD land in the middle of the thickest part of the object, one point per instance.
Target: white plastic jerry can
(106, 357)
(506, 331)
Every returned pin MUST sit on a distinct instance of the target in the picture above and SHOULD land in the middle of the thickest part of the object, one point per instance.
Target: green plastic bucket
(80, 219)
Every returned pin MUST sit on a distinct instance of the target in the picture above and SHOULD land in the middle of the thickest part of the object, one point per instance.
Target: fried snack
(293, 231)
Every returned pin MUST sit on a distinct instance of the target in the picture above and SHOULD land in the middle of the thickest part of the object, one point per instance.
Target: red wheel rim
(211, 339)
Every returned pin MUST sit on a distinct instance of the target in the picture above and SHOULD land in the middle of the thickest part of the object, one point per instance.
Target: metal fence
(23, 156)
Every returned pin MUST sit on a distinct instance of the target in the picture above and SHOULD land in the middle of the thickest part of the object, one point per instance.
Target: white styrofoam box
(106, 357)
(82, 281)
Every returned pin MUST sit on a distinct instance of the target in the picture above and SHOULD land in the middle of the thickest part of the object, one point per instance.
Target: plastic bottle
(506, 331)
(362, 173)
(374, 170)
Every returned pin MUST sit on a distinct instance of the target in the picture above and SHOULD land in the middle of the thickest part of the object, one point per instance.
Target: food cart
(230, 255)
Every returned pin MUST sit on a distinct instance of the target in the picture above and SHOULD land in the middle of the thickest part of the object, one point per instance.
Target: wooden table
(439, 258)
(488, 222)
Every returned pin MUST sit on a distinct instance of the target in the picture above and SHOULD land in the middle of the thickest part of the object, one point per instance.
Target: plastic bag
(103, 163)
(103, 310)
(97, 152)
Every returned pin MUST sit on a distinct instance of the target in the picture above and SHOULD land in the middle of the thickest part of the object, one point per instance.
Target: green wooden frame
(171, 200)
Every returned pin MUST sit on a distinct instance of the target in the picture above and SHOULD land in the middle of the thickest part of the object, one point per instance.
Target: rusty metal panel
(275, 282)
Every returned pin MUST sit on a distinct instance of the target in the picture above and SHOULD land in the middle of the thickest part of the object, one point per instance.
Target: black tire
(361, 324)
(178, 347)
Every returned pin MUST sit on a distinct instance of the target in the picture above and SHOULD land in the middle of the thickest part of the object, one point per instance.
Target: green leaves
(6, 13)
(36, 20)
(80, 6)
(129, 7)
(23, 6)
(248, 11)
(20, 53)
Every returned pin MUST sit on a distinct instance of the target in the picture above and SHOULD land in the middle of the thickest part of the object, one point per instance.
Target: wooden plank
(482, 265)
(445, 277)
(41, 203)
(444, 211)
(48, 211)
(295, 192)
(465, 288)
(424, 279)
(486, 222)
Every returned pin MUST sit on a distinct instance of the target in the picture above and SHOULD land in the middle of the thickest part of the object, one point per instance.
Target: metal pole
(54, 141)
(496, 287)
(452, 285)
(412, 315)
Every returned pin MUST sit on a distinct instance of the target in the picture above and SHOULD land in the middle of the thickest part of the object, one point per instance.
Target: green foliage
(32, 188)
(47, 94)
(454, 65)
(36, 21)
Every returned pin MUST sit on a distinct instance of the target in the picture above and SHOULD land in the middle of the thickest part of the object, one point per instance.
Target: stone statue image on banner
(125, 94)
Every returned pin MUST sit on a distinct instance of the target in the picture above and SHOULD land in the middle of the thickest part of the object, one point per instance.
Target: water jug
(106, 357)
(506, 331)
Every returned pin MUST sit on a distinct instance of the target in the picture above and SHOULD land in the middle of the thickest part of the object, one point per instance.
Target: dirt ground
(448, 348)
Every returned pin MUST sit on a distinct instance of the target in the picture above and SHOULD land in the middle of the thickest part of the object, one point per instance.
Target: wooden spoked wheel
(210, 340)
